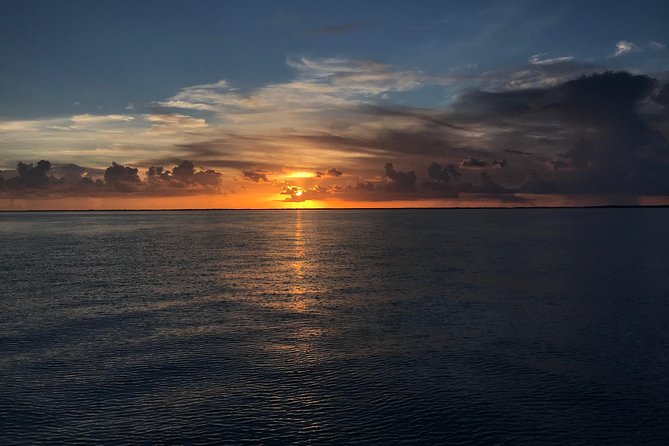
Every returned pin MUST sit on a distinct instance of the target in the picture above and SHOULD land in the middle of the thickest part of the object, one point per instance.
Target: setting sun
(299, 174)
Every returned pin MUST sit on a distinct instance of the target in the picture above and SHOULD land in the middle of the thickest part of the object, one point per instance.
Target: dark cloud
(331, 172)
(70, 172)
(256, 175)
(183, 176)
(74, 180)
(122, 178)
(442, 182)
(364, 185)
(297, 194)
(30, 176)
(662, 96)
(601, 139)
(442, 174)
(488, 186)
(185, 171)
(427, 116)
(400, 181)
(423, 141)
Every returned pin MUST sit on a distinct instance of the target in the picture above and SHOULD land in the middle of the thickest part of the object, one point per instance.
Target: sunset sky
(268, 104)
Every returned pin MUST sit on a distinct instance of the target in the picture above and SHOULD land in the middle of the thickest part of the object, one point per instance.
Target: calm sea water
(335, 327)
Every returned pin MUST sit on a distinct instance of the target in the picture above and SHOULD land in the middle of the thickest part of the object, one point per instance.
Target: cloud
(298, 194)
(442, 174)
(174, 122)
(30, 176)
(184, 176)
(607, 143)
(539, 59)
(331, 172)
(400, 181)
(552, 124)
(256, 175)
(655, 45)
(122, 178)
(624, 47)
(87, 119)
(72, 180)
(538, 72)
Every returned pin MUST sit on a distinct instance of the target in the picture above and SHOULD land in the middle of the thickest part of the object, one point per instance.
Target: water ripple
(335, 327)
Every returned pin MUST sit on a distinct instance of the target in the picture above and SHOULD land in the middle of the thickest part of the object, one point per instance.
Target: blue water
(335, 327)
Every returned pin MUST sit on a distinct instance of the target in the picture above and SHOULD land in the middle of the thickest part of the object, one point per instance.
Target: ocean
(460, 326)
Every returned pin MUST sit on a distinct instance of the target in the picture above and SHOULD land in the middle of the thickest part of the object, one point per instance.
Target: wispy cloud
(624, 47)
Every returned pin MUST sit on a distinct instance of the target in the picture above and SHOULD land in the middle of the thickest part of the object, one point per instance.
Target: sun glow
(300, 174)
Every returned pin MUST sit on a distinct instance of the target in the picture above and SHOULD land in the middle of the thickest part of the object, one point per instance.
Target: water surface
(340, 327)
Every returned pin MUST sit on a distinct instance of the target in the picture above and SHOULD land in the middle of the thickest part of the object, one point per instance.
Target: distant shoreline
(336, 209)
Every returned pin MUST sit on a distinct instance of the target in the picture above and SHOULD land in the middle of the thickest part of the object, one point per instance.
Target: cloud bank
(41, 179)
(553, 125)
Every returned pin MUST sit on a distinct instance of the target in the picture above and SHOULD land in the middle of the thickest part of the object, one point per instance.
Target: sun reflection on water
(298, 289)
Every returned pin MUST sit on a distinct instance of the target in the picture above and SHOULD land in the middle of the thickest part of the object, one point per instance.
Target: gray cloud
(73, 180)
(400, 181)
(256, 175)
(331, 172)
(122, 178)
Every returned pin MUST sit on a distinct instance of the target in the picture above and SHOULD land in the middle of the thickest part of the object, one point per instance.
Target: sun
(299, 174)
(298, 193)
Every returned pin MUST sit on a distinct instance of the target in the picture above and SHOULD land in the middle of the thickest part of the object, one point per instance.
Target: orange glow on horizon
(277, 201)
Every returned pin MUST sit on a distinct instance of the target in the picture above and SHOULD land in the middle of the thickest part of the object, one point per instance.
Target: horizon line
(609, 206)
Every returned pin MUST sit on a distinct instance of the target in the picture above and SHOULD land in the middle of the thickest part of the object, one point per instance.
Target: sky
(273, 104)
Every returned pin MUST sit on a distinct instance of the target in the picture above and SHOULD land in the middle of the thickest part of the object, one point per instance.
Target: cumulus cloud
(296, 194)
(73, 180)
(121, 178)
(184, 176)
(30, 176)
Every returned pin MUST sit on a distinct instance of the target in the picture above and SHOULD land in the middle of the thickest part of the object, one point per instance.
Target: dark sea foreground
(335, 327)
